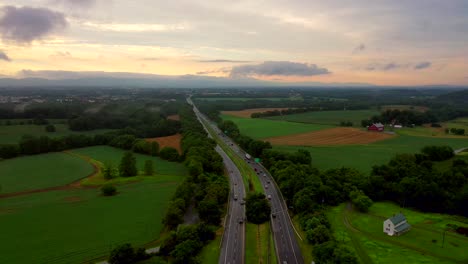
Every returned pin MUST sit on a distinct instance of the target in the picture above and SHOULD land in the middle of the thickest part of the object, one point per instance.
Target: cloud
(76, 3)
(359, 48)
(222, 60)
(272, 68)
(4, 56)
(391, 66)
(423, 65)
(25, 24)
(119, 27)
(222, 70)
(385, 66)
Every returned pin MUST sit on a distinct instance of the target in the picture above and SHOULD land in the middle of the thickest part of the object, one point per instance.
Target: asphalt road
(233, 241)
(286, 245)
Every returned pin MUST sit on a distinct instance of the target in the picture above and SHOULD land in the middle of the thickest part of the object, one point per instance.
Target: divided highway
(233, 243)
(286, 245)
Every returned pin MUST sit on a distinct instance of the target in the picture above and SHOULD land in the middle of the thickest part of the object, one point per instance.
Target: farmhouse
(396, 225)
(376, 127)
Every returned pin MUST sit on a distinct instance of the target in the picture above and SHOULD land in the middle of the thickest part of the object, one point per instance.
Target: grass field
(306, 248)
(12, 134)
(41, 171)
(363, 157)
(110, 155)
(77, 225)
(422, 244)
(258, 247)
(263, 128)
(329, 117)
(243, 99)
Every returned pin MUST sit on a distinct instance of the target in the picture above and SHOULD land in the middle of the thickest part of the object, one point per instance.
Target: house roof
(397, 219)
(378, 125)
(402, 227)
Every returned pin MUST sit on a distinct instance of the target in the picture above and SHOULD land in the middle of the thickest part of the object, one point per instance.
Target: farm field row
(12, 134)
(243, 99)
(81, 224)
(422, 244)
(263, 128)
(246, 113)
(41, 171)
(329, 117)
(363, 157)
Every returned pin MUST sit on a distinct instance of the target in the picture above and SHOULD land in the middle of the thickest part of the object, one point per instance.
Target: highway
(286, 245)
(233, 241)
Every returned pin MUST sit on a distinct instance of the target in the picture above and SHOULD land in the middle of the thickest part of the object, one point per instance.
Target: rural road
(287, 247)
(233, 241)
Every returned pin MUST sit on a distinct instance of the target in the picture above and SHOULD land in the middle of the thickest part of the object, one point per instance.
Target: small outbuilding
(396, 225)
(379, 127)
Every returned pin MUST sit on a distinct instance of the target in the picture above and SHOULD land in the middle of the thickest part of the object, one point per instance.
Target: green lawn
(210, 252)
(76, 225)
(41, 171)
(110, 155)
(363, 157)
(264, 128)
(258, 247)
(12, 134)
(329, 117)
(416, 246)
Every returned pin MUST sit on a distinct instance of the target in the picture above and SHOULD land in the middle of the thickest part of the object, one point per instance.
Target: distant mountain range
(155, 81)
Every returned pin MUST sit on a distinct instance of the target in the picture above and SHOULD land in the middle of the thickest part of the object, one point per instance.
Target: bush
(108, 190)
(50, 128)
(169, 154)
(126, 254)
(127, 167)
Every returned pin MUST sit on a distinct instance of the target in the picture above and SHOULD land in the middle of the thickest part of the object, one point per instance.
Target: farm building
(396, 225)
(376, 127)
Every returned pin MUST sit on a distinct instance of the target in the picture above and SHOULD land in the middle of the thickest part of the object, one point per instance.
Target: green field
(422, 244)
(41, 171)
(329, 117)
(77, 225)
(12, 134)
(263, 128)
(458, 123)
(243, 99)
(363, 157)
(110, 155)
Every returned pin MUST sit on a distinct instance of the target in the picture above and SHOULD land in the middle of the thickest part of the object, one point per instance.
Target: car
(268, 182)
(273, 215)
(266, 186)
(235, 197)
(242, 202)
(269, 197)
(241, 220)
(255, 169)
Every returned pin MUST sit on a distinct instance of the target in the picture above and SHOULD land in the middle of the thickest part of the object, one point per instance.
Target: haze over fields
(234, 43)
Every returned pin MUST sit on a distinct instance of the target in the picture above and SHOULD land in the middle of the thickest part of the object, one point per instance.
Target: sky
(382, 42)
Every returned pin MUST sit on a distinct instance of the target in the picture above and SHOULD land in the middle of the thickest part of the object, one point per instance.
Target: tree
(108, 171)
(154, 148)
(149, 170)
(108, 190)
(169, 154)
(186, 252)
(318, 235)
(209, 211)
(50, 128)
(141, 146)
(360, 200)
(257, 208)
(127, 166)
(123, 254)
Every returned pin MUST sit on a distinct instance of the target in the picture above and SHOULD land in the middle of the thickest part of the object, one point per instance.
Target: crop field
(41, 171)
(174, 117)
(263, 128)
(246, 113)
(329, 117)
(243, 99)
(12, 134)
(76, 225)
(363, 157)
(110, 155)
(405, 107)
(333, 136)
(169, 141)
(422, 244)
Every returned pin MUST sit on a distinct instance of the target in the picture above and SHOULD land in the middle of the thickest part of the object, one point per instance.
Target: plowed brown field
(247, 112)
(169, 141)
(333, 136)
(174, 117)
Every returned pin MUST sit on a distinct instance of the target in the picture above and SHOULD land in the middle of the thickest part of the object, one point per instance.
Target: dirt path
(352, 228)
(72, 185)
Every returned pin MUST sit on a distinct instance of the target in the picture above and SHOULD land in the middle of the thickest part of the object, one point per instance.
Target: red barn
(376, 127)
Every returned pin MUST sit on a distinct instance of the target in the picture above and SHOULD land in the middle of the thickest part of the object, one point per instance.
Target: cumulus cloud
(4, 56)
(423, 65)
(75, 3)
(359, 48)
(385, 66)
(23, 25)
(272, 68)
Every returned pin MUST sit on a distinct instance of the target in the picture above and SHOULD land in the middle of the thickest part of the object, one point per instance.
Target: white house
(396, 225)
